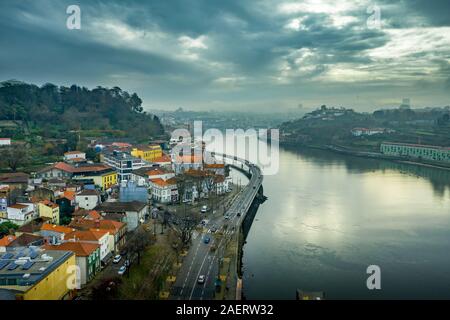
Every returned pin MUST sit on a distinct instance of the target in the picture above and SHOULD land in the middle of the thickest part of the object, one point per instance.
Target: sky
(236, 55)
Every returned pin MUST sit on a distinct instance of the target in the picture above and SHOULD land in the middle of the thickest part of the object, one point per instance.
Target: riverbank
(367, 154)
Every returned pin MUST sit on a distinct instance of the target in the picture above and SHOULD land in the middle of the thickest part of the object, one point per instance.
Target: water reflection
(439, 179)
(329, 216)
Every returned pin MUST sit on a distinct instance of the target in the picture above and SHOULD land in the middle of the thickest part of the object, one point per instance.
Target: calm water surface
(329, 216)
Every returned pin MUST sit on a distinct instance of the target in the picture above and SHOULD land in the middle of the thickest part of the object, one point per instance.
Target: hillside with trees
(46, 121)
(54, 110)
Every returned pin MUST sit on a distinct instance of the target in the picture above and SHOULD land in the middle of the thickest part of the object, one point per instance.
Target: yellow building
(108, 180)
(147, 153)
(49, 210)
(50, 275)
(104, 180)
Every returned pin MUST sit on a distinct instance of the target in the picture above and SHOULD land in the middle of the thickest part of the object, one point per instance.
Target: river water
(328, 217)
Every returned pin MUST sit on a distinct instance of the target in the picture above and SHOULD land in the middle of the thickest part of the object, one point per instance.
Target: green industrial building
(417, 151)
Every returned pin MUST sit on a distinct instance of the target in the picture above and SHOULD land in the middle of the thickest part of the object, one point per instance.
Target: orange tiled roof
(69, 195)
(55, 228)
(94, 215)
(81, 249)
(155, 172)
(160, 182)
(48, 203)
(86, 235)
(6, 240)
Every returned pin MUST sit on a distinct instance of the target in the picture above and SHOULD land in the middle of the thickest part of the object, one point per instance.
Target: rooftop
(40, 264)
(56, 228)
(417, 145)
(81, 249)
(121, 207)
(87, 192)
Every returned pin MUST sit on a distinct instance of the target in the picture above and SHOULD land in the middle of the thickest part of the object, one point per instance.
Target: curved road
(200, 260)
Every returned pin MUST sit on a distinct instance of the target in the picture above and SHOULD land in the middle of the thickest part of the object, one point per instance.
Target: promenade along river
(328, 217)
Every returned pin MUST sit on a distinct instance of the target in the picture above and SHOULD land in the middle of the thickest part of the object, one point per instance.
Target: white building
(357, 132)
(87, 199)
(143, 176)
(74, 156)
(163, 191)
(123, 163)
(5, 142)
(21, 213)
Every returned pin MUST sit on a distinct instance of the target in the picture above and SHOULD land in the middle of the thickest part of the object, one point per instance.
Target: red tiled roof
(160, 182)
(163, 158)
(6, 240)
(86, 235)
(55, 228)
(81, 249)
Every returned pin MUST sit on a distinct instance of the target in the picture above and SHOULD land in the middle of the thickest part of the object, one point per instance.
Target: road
(200, 259)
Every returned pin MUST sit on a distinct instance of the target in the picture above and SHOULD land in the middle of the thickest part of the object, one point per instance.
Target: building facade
(416, 151)
(123, 163)
(147, 153)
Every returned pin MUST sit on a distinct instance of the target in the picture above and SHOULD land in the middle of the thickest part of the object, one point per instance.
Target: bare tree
(137, 243)
(14, 156)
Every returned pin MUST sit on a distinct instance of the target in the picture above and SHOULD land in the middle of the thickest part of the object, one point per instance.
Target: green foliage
(6, 226)
(61, 112)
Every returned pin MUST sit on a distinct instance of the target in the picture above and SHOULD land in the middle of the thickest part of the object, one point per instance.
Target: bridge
(200, 260)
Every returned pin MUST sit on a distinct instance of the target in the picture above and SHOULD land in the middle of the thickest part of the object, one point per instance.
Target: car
(213, 229)
(122, 270)
(204, 209)
(201, 279)
(227, 217)
(206, 239)
(127, 263)
(117, 258)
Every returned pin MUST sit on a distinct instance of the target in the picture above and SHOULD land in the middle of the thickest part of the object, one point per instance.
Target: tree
(14, 156)
(6, 227)
(137, 243)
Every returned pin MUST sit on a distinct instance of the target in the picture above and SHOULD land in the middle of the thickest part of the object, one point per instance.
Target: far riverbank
(367, 154)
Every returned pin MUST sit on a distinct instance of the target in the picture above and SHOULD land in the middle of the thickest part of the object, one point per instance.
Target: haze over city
(236, 55)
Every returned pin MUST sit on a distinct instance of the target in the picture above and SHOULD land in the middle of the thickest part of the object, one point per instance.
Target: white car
(117, 258)
(204, 209)
(201, 279)
(122, 270)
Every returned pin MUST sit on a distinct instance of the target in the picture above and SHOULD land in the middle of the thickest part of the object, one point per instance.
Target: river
(329, 216)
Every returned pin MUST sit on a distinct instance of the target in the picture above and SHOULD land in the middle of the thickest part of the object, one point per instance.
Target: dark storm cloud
(232, 52)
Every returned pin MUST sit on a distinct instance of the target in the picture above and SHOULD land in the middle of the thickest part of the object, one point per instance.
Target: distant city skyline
(237, 55)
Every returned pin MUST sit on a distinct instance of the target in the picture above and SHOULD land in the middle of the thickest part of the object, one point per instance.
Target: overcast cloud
(235, 54)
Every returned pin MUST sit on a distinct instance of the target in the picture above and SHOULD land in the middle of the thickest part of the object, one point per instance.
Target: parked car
(122, 270)
(127, 263)
(206, 239)
(201, 279)
(117, 258)
(204, 209)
